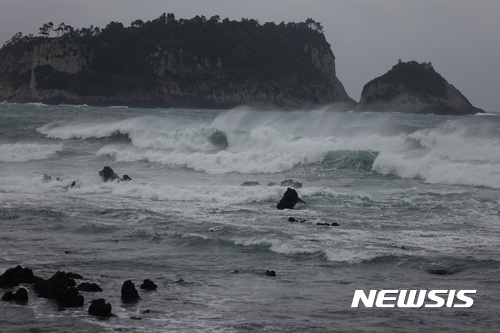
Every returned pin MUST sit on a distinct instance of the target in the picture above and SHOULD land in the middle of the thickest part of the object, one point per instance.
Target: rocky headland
(200, 62)
(415, 88)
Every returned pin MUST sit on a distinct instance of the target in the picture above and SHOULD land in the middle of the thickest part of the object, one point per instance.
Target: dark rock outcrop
(107, 174)
(91, 287)
(293, 219)
(100, 308)
(270, 273)
(129, 293)
(414, 88)
(251, 183)
(69, 297)
(334, 224)
(148, 285)
(61, 288)
(289, 200)
(126, 178)
(13, 276)
(20, 296)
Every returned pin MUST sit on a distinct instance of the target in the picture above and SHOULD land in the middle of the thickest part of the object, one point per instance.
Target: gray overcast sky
(460, 37)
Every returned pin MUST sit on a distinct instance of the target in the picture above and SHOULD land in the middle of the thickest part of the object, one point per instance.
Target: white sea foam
(24, 152)
(448, 154)
(453, 152)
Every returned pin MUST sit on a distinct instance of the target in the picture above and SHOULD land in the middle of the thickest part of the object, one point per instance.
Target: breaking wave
(436, 149)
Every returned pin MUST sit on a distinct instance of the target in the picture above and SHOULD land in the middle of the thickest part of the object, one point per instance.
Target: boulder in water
(129, 293)
(252, 183)
(91, 287)
(20, 296)
(13, 276)
(108, 174)
(148, 285)
(289, 200)
(100, 308)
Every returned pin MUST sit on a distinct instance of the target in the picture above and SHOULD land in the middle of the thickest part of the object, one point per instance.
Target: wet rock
(50, 288)
(148, 285)
(68, 297)
(91, 287)
(74, 276)
(13, 276)
(334, 224)
(20, 296)
(292, 219)
(129, 293)
(289, 200)
(100, 308)
(126, 178)
(250, 184)
(439, 271)
(107, 174)
(270, 273)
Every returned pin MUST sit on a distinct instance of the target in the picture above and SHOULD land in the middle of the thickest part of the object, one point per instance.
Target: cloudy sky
(460, 37)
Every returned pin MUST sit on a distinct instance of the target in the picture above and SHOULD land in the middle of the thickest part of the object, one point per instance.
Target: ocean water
(413, 195)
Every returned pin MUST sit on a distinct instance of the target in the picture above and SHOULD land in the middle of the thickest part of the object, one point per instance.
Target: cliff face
(416, 88)
(222, 65)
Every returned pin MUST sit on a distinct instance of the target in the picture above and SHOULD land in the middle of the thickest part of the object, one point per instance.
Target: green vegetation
(219, 55)
(421, 79)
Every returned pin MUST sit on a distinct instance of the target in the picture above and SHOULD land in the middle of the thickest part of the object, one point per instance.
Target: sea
(393, 201)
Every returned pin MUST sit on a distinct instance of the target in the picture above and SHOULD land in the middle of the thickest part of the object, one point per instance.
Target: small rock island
(414, 87)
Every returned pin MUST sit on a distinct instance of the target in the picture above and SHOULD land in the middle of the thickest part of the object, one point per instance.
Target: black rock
(60, 287)
(86, 286)
(74, 276)
(250, 184)
(20, 296)
(289, 200)
(68, 297)
(52, 287)
(108, 174)
(13, 276)
(148, 285)
(439, 271)
(270, 273)
(334, 224)
(100, 308)
(126, 178)
(129, 293)
(291, 219)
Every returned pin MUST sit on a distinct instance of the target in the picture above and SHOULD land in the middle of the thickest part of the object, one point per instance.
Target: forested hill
(196, 62)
